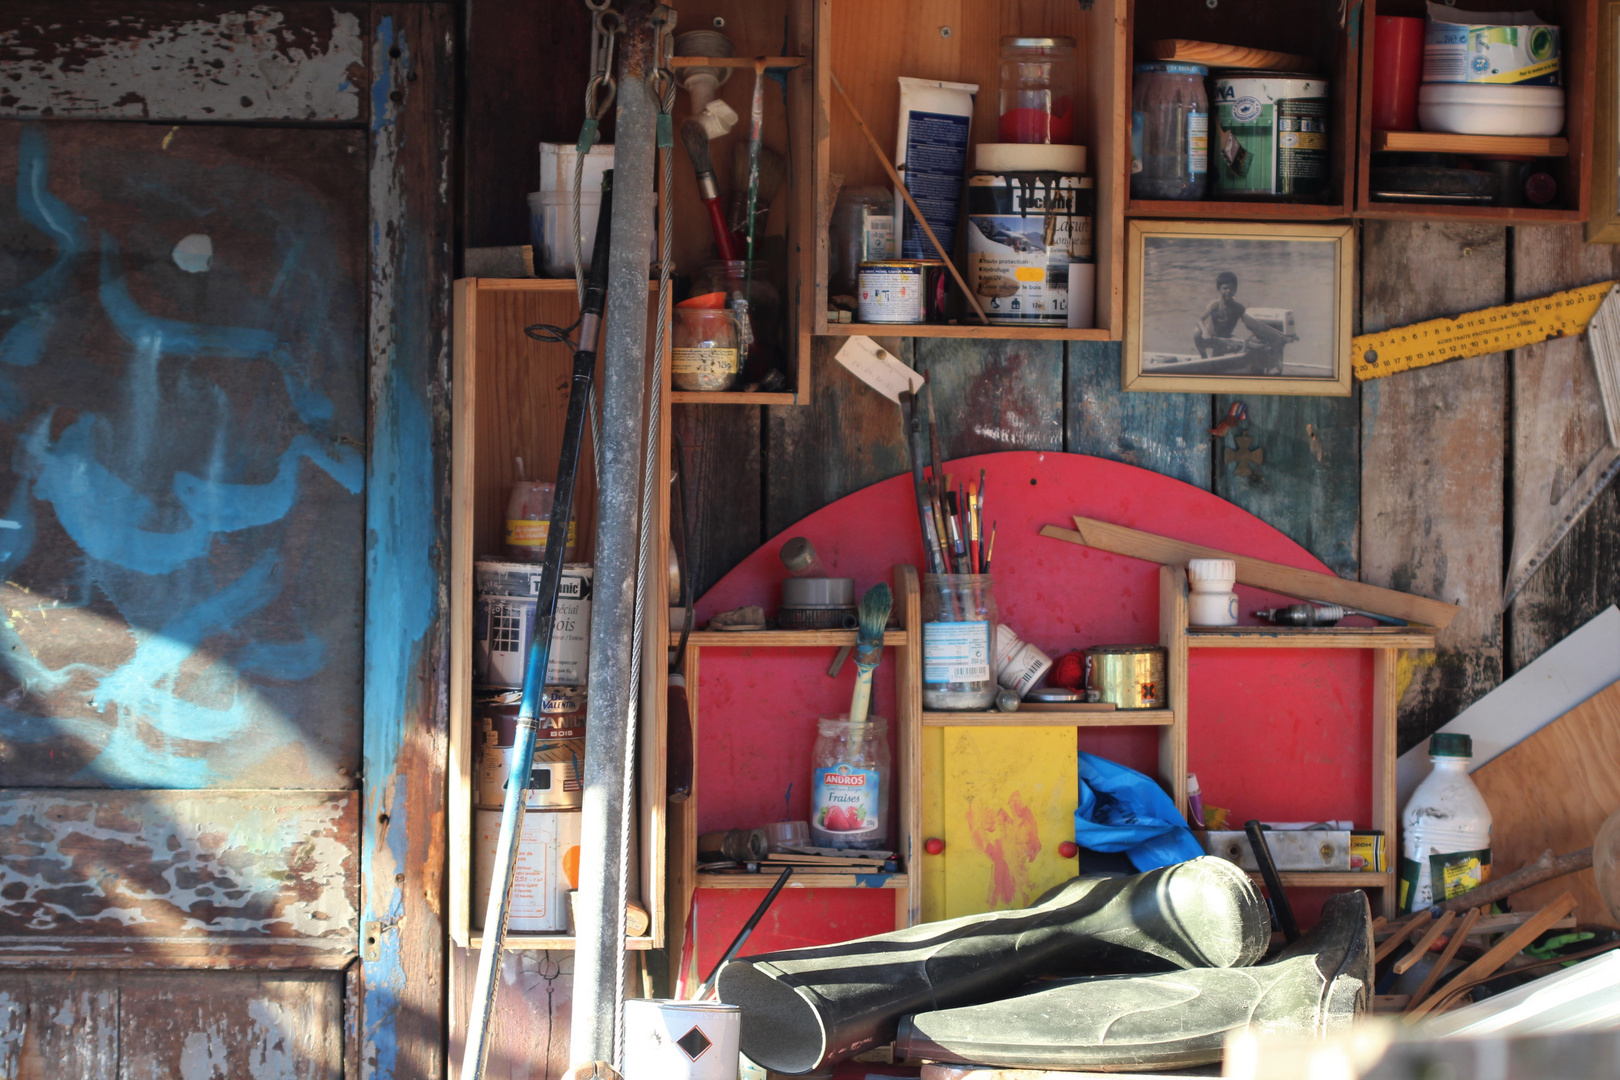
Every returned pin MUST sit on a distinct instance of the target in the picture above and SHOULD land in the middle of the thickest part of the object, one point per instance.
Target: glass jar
(1169, 131)
(959, 625)
(528, 522)
(705, 348)
(761, 331)
(861, 230)
(849, 785)
(1038, 77)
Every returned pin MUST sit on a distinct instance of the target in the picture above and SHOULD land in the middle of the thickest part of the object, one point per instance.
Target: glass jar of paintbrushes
(959, 626)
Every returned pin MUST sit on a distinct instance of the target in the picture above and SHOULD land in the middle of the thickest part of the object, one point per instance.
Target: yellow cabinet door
(1002, 799)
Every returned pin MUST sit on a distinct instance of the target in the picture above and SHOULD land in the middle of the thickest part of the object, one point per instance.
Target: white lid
(1535, 97)
(1212, 569)
(1029, 157)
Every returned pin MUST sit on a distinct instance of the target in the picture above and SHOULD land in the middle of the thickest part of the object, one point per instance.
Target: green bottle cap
(1450, 744)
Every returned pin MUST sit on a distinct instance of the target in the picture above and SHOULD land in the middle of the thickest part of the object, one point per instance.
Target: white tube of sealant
(931, 152)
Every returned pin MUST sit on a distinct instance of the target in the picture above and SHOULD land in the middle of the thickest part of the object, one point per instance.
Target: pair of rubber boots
(1167, 957)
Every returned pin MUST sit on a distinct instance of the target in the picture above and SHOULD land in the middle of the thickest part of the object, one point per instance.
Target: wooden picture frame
(1300, 285)
(1603, 226)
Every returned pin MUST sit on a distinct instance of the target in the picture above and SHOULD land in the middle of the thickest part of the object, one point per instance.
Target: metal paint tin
(680, 1040)
(1024, 230)
(890, 291)
(547, 868)
(504, 603)
(1271, 136)
(1130, 676)
(556, 778)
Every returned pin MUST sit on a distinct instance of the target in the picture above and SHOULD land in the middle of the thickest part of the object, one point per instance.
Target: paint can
(556, 778)
(1019, 665)
(1025, 229)
(890, 291)
(1129, 676)
(1271, 136)
(547, 868)
(504, 603)
(680, 1040)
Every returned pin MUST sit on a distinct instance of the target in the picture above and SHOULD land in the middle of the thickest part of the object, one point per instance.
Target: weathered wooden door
(223, 275)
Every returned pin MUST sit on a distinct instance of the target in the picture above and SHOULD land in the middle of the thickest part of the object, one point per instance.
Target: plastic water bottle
(1445, 829)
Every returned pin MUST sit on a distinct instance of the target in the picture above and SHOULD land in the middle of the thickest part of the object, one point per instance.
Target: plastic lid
(1030, 157)
(1037, 43)
(1173, 68)
(1450, 744)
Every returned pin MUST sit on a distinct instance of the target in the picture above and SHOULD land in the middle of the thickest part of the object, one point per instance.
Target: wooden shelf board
(801, 881)
(1311, 637)
(1246, 209)
(1443, 142)
(1333, 879)
(538, 284)
(964, 330)
(737, 61)
(775, 639)
(1116, 718)
(550, 941)
(728, 397)
(1498, 215)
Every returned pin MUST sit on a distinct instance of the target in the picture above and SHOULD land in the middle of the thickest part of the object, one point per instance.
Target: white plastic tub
(1491, 109)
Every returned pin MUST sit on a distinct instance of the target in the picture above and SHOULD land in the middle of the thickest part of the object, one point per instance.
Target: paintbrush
(875, 607)
(773, 172)
(697, 148)
(990, 548)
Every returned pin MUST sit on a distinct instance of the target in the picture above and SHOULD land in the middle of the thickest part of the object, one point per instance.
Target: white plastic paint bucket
(680, 1040)
(504, 602)
(548, 850)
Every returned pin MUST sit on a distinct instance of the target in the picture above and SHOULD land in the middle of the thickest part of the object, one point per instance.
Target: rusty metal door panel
(182, 374)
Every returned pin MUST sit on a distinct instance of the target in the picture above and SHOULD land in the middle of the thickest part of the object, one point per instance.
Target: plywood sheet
(1009, 799)
(1554, 790)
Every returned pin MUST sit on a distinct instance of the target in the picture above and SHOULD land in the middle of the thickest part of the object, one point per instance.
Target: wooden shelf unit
(1027, 718)
(1577, 23)
(1311, 637)
(870, 45)
(510, 397)
(1305, 27)
(905, 771)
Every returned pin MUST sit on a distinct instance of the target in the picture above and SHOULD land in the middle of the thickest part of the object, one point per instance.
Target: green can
(1271, 136)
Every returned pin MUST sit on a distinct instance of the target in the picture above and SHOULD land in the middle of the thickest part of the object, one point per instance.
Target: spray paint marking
(1010, 838)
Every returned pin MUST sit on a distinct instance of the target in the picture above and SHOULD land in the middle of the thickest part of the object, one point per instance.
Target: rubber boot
(1316, 986)
(804, 1007)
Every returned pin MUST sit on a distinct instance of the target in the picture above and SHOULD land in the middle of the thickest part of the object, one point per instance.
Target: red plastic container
(1397, 72)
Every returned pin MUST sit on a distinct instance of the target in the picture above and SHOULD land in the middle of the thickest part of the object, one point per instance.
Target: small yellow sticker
(1030, 273)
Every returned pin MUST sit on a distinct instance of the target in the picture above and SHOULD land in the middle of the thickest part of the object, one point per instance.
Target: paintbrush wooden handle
(722, 235)
(861, 703)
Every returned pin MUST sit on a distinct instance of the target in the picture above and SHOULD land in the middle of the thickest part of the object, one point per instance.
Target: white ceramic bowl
(1491, 108)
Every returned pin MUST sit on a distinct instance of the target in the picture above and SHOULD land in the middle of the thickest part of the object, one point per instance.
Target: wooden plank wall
(1412, 482)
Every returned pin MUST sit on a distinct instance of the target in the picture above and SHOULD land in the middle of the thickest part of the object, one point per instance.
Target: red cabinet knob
(934, 845)
(1068, 849)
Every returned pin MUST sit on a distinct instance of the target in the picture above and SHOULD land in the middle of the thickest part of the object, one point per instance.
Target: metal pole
(599, 911)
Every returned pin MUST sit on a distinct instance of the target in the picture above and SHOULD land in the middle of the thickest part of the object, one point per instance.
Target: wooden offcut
(1290, 580)
(1500, 953)
(1183, 51)
(1554, 790)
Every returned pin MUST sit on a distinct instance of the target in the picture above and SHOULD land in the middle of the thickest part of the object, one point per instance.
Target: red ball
(934, 845)
(1068, 673)
(1068, 849)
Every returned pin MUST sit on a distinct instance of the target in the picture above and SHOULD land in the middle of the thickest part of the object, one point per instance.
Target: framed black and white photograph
(1239, 307)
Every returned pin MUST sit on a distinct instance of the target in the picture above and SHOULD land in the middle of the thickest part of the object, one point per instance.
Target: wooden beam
(1305, 584)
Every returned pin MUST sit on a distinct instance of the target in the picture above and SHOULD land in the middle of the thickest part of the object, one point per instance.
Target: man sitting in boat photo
(1213, 335)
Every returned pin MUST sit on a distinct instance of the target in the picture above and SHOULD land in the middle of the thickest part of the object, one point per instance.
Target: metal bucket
(680, 1040)
(1130, 676)
(504, 603)
(548, 858)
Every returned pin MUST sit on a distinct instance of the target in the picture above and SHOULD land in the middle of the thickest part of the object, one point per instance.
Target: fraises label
(845, 801)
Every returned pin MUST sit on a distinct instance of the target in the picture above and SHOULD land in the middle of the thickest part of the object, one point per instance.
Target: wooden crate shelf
(764, 880)
(475, 940)
(968, 328)
(1311, 637)
(729, 397)
(1567, 157)
(776, 639)
(1334, 879)
(1236, 210)
(1027, 718)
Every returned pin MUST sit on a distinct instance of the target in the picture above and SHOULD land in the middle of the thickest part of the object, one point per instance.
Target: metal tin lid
(1037, 43)
(905, 264)
(1451, 744)
(1052, 694)
(1120, 650)
(1168, 67)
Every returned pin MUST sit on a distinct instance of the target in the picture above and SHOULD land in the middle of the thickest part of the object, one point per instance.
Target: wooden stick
(1503, 950)
(1395, 940)
(1378, 923)
(1424, 943)
(905, 193)
(1543, 869)
(1443, 959)
(1306, 584)
(1494, 924)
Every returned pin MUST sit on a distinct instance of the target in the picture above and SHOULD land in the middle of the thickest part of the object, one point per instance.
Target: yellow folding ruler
(1496, 329)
